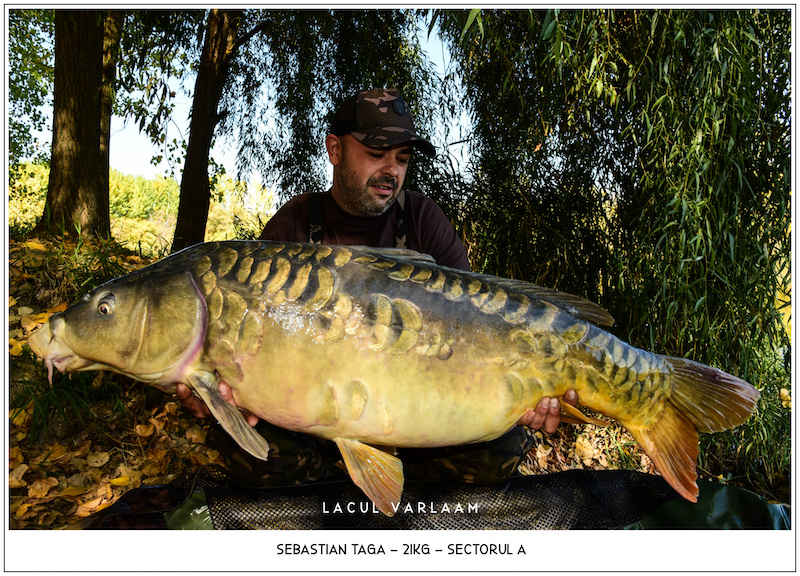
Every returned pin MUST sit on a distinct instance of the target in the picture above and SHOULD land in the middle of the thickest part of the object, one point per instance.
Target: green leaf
(473, 14)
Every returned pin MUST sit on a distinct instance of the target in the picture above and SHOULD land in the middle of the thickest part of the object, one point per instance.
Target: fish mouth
(56, 355)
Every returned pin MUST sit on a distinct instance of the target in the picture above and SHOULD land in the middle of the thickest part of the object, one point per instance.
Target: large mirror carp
(379, 348)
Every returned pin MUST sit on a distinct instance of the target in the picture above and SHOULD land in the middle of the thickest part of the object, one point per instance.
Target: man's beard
(358, 201)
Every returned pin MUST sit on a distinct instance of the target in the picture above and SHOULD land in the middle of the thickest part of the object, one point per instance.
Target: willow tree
(275, 77)
(288, 79)
(642, 157)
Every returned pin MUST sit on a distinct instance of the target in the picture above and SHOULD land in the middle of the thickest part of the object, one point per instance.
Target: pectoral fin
(572, 415)
(231, 420)
(377, 473)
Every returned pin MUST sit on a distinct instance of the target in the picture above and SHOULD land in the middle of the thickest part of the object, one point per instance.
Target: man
(370, 145)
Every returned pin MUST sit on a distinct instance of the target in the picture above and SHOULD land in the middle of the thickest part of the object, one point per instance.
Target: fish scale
(369, 346)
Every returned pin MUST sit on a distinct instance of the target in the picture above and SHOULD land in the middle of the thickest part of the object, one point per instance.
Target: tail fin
(703, 399)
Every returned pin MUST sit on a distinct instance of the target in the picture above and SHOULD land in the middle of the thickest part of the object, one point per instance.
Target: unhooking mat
(576, 499)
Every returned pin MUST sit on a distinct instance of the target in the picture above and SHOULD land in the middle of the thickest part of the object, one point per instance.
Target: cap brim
(378, 140)
(425, 147)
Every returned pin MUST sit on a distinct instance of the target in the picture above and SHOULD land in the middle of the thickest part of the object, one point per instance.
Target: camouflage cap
(379, 118)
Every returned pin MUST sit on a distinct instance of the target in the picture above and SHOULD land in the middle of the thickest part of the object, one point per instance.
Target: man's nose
(391, 167)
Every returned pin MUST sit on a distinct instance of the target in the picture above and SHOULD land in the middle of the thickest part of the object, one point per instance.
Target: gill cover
(148, 327)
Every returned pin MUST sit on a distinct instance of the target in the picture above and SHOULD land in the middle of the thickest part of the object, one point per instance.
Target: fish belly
(339, 390)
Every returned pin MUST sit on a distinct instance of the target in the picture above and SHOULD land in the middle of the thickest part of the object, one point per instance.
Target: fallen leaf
(11, 301)
(71, 491)
(19, 417)
(39, 488)
(24, 311)
(121, 481)
(196, 435)
(35, 245)
(29, 323)
(40, 318)
(23, 508)
(97, 459)
(58, 453)
(158, 423)
(541, 454)
(15, 457)
(15, 476)
(77, 480)
(584, 450)
(151, 470)
(58, 308)
(157, 455)
(16, 347)
(144, 430)
(133, 473)
(90, 507)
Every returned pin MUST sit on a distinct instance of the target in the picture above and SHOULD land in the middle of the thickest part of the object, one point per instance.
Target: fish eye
(106, 305)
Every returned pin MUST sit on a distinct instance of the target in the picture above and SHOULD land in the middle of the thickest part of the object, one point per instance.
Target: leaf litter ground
(72, 454)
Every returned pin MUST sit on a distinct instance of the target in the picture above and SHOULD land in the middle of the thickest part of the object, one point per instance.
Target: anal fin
(571, 415)
(377, 473)
(231, 420)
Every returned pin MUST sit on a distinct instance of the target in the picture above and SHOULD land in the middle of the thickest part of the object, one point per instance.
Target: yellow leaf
(24, 311)
(11, 301)
(144, 430)
(121, 481)
(22, 509)
(72, 491)
(16, 347)
(19, 417)
(58, 308)
(40, 318)
(34, 245)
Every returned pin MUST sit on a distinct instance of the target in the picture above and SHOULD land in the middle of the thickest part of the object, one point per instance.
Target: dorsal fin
(398, 254)
(575, 305)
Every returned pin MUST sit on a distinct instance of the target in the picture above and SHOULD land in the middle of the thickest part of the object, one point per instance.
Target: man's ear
(334, 147)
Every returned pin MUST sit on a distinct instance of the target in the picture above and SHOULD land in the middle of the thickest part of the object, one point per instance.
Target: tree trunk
(195, 194)
(112, 30)
(77, 193)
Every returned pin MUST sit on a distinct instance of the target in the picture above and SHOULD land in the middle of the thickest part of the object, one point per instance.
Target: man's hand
(547, 414)
(198, 408)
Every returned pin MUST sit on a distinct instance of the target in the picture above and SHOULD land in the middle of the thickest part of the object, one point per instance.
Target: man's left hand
(547, 414)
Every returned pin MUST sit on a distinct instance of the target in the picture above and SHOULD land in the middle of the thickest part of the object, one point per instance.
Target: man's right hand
(199, 409)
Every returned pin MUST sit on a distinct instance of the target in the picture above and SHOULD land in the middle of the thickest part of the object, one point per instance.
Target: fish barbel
(382, 347)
